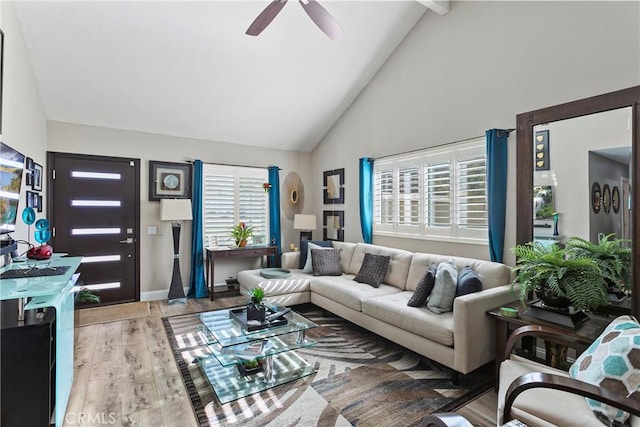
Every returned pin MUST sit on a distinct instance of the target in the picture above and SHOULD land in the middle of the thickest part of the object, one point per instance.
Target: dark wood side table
(233, 253)
(579, 338)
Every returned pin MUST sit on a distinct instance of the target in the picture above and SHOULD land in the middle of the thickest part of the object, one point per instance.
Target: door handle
(128, 241)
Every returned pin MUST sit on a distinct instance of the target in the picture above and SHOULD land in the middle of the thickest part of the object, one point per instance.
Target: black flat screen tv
(11, 168)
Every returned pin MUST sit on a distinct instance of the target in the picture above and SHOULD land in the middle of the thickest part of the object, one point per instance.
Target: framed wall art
(36, 182)
(333, 225)
(169, 180)
(28, 171)
(542, 150)
(333, 182)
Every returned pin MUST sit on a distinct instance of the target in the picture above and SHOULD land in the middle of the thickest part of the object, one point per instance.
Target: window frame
(235, 174)
(454, 155)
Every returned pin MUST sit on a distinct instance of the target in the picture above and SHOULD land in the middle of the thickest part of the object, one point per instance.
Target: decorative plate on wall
(615, 199)
(596, 197)
(606, 198)
(292, 195)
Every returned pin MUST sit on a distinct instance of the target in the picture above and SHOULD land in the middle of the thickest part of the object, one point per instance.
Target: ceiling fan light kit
(318, 14)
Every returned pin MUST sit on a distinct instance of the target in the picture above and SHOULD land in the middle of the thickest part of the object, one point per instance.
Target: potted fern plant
(612, 255)
(560, 277)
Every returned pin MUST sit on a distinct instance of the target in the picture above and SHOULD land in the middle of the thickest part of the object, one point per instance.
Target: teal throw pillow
(612, 362)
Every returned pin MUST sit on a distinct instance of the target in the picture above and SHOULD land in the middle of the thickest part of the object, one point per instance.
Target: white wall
(475, 68)
(157, 251)
(24, 125)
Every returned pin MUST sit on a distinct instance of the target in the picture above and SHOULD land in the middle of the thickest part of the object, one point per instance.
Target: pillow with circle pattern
(612, 362)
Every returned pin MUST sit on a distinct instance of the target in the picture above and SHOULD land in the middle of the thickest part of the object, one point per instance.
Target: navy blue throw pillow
(304, 249)
(468, 282)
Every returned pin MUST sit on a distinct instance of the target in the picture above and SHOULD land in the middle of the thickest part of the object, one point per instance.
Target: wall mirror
(333, 186)
(593, 140)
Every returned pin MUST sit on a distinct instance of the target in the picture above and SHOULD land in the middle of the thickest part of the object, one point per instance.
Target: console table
(232, 253)
(53, 326)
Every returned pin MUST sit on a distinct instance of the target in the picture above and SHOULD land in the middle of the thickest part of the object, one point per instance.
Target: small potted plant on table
(255, 308)
(241, 233)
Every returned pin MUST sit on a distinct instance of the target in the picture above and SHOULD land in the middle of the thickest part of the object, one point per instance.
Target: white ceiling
(187, 69)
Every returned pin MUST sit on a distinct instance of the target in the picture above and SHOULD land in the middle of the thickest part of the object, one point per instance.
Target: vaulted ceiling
(188, 69)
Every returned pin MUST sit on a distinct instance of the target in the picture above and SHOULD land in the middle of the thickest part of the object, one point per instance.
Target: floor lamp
(176, 210)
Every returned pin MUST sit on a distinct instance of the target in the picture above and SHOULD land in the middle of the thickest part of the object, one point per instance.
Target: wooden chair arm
(445, 420)
(538, 331)
(567, 384)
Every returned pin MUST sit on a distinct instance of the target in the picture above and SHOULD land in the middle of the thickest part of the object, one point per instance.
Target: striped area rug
(362, 380)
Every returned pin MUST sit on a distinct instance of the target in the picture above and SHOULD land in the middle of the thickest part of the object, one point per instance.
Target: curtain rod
(439, 145)
(231, 165)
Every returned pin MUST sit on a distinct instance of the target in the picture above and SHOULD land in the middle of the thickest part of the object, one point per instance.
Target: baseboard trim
(157, 295)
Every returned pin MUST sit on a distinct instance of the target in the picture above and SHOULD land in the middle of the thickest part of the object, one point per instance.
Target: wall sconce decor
(606, 198)
(615, 199)
(542, 150)
(333, 223)
(596, 197)
(333, 187)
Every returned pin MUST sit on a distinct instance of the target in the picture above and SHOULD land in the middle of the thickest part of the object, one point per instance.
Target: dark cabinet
(27, 368)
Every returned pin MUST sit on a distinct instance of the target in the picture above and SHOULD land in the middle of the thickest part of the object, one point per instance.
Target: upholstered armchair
(539, 395)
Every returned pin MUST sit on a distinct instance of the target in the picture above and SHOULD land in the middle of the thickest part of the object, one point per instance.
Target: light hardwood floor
(125, 374)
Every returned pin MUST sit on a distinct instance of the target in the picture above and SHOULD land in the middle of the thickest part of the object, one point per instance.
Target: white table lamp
(176, 210)
(306, 223)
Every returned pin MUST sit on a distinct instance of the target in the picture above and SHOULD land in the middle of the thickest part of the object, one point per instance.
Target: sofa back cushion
(346, 253)
(399, 263)
(491, 274)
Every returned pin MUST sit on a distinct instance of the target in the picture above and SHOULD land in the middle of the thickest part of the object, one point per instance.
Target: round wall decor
(596, 197)
(606, 198)
(615, 199)
(292, 195)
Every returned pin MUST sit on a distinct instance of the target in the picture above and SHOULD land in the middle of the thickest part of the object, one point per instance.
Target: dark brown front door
(94, 211)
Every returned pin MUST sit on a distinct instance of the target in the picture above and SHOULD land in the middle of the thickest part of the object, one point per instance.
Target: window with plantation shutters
(233, 194)
(437, 193)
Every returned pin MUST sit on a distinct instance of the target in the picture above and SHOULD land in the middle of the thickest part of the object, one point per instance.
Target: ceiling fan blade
(322, 18)
(265, 17)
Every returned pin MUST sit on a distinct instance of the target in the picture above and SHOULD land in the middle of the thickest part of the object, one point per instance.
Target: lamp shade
(304, 222)
(175, 209)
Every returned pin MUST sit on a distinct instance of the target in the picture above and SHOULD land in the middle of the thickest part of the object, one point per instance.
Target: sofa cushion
(399, 262)
(468, 282)
(374, 270)
(347, 292)
(304, 250)
(326, 262)
(308, 266)
(444, 289)
(346, 253)
(393, 309)
(424, 288)
(612, 362)
(491, 274)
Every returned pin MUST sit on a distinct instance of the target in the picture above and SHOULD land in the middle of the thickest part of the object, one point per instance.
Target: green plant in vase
(241, 233)
(87, 295)
(559, 276)
(255, 308)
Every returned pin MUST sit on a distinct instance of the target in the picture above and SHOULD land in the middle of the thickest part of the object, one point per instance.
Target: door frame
(51, 155)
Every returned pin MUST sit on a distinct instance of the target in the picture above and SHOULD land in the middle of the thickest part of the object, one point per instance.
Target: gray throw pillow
(468, 282)
(444, 289)
(373, 270)
(326, 262)
(304, 249)
(424, 287)
(308, 266)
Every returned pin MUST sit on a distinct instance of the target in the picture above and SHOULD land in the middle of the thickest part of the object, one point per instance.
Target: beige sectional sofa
(462, 339)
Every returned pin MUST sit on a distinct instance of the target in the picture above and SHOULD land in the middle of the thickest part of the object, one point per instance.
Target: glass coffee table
(270, 352)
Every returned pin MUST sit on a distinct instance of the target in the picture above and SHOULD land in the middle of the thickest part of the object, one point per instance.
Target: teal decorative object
(28, 216)
(42, 233)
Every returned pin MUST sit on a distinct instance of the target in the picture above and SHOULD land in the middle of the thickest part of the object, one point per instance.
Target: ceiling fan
(317, 13)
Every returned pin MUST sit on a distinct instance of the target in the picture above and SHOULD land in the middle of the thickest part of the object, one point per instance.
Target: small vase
(255, 312)
(242, 243)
